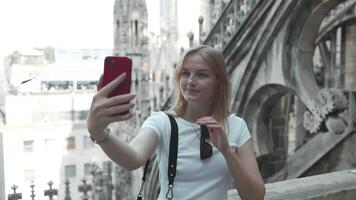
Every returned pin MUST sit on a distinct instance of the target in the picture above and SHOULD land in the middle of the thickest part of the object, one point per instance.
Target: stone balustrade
(340, 185)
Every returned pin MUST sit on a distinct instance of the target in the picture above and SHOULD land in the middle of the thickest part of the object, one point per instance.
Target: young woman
(201, 99)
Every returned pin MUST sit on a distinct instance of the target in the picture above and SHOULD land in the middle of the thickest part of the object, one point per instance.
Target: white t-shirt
(195, 179)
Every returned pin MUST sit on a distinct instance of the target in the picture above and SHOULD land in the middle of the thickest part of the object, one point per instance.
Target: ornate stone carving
(85, 188)
(228, 23)
(32, 186)
(15, 195)
(324, 113)
(51, 192)
(67, 190)
(331, 101)
(340, 9)
(335, 125)
(108, 185)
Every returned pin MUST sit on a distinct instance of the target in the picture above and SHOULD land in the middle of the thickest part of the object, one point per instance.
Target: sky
(66, 23)
(70, 23)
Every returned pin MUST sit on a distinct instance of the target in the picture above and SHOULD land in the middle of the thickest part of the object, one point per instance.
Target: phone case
(113, 67)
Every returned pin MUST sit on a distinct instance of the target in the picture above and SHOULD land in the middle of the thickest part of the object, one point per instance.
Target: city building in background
(47, 93)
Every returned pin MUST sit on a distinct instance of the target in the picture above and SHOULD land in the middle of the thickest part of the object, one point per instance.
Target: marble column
(350, 58)
(350, 70)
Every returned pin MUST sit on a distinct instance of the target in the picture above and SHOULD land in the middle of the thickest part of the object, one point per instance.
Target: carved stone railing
(331, 186)
(101, 186)
(228, 23)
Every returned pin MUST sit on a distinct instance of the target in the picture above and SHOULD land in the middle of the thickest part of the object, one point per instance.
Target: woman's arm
(244, 170)
(134, 155)
(105, 110)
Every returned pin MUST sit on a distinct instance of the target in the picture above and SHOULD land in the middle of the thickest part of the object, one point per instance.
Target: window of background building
(87, 143)
(29, 175)
(70, 143)
(87, 169)
(28, 145)
(50, 144)
(70, 171)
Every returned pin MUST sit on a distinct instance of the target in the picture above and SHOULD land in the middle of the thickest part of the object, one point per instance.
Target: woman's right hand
(105, 110)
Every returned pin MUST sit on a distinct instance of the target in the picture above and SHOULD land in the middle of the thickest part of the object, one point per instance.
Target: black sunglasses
(206, 150)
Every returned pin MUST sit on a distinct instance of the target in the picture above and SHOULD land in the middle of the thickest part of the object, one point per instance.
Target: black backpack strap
(173, 152)
(172, 163)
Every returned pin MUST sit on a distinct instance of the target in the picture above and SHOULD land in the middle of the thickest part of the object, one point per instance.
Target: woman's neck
(193, 113)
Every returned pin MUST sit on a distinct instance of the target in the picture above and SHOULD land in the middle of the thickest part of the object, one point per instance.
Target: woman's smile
(191, 90)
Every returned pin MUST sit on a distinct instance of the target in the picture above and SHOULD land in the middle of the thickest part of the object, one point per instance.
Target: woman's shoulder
(238, 131)
(235, 118)
(156, 116)
(158, 121)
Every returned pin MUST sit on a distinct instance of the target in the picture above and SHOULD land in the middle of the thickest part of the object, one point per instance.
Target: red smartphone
(113, 67)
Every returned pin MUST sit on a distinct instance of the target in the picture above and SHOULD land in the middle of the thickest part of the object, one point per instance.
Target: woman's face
(198, 82)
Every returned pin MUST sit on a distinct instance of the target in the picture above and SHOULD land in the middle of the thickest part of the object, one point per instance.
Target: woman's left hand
(216, 132)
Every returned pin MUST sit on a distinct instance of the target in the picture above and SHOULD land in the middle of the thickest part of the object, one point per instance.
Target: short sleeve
(244, 134)
(238, 132)
(154, 121)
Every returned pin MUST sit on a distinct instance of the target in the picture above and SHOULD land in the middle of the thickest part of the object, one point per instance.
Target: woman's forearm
(248, 184)
(120, 152)
(133, 155)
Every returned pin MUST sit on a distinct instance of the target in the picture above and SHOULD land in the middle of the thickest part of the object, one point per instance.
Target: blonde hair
(216, 62)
